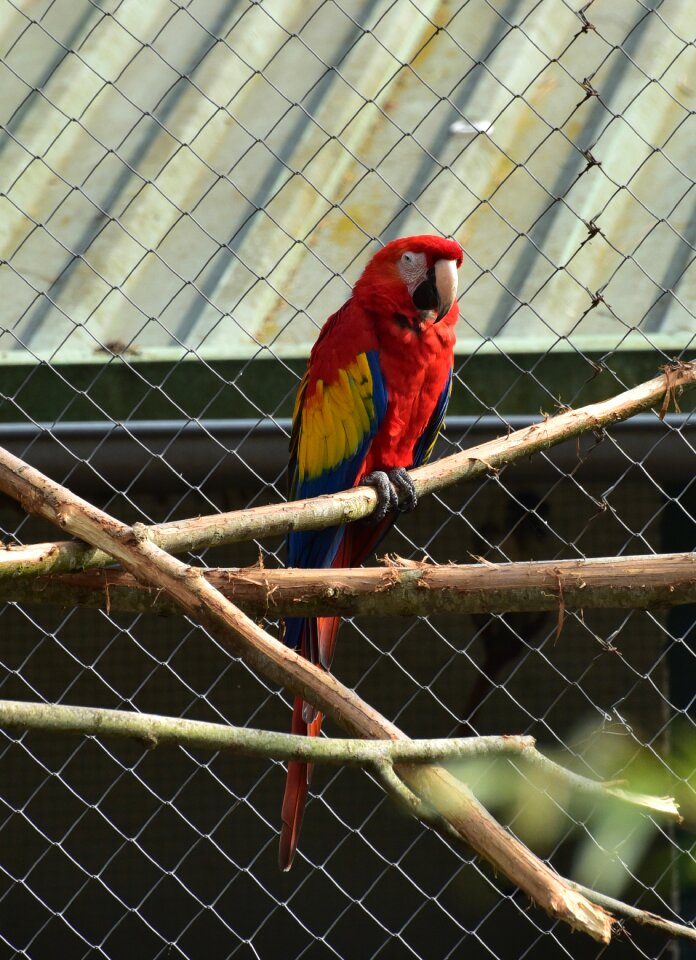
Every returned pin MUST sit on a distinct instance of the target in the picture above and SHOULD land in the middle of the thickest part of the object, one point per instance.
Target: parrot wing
(333, 425)
(423, 449)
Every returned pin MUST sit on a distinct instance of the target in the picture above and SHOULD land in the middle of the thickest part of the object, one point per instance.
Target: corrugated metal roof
(212, 179)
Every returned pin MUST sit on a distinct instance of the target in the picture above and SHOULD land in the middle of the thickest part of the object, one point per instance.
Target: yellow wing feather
(335, 447)
(331, 423)
(352, 437)
(359, 407)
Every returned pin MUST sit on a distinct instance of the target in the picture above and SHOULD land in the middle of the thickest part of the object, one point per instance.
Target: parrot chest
(416, 370)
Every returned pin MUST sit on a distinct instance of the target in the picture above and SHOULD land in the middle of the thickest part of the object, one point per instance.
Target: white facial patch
(413, 268)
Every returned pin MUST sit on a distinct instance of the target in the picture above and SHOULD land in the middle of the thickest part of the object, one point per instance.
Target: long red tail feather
(296, 787)
(317, 644)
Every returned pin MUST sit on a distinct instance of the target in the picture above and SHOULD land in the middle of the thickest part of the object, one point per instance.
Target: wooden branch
(379, 756)
(153, 731)
(277, 519)
(403, 588)
(433, 785)
(553, 772)
(643, 917)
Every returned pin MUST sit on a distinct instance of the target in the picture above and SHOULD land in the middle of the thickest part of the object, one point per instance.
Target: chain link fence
(187, 190)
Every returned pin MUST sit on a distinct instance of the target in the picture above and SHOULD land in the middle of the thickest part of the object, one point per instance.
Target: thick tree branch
(449, 798)
(198, 533)
(403, 588)
(153, 731)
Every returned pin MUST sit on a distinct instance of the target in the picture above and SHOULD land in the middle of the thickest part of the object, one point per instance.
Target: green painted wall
(120, 388)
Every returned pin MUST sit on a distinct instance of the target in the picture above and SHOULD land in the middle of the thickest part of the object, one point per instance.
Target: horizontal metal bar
(237, 428)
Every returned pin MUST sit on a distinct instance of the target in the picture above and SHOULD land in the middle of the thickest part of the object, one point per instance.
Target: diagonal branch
(448, 797)
(199, 533)
(400, 589)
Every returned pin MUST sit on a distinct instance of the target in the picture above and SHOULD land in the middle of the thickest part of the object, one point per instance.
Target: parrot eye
(412, 267)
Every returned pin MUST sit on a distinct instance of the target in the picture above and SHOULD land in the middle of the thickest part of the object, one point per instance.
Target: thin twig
(644, 917)
(201, 532)
(554, 772)
(154, 730)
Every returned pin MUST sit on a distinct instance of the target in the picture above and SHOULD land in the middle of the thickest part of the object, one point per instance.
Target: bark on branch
(201, 532)
(400, 589)
(451, 800)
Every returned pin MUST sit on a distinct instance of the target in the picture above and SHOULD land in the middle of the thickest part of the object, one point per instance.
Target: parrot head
(413, 279)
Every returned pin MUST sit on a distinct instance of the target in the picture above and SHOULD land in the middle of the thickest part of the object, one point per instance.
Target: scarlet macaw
(369, 407)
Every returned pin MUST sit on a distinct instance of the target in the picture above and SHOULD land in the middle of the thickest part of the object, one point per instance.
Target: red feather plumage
(385, 353)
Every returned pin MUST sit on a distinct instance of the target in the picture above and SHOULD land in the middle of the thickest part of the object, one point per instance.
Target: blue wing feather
(424, 447)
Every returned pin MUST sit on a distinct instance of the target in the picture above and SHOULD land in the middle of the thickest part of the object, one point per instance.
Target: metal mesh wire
(187, 191)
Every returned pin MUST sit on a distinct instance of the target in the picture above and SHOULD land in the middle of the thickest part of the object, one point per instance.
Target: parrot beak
(438, 290)
(446, 286)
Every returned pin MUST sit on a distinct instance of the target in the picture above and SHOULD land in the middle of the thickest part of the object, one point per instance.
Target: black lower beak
(443, 310)
(425, 295)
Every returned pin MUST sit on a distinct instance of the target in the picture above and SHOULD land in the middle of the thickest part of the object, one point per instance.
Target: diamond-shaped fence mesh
(187, 191)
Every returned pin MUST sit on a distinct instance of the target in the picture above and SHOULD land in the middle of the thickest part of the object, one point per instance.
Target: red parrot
(369, 407)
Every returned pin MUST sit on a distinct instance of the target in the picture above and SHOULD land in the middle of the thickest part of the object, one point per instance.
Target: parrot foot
(387, 498)
(402, 481)
(386, 484)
